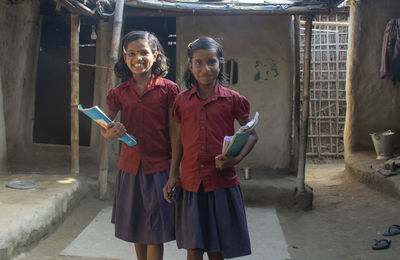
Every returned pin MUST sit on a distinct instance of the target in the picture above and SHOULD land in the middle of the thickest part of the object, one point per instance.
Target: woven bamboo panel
(327, 85)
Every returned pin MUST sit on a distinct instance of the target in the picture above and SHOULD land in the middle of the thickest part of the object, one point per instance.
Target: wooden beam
(139, 11)
(296, 98)
(75, 24)
(115, 41)
(193, 9)
(3, 143)
(305, 106)
(327, 23)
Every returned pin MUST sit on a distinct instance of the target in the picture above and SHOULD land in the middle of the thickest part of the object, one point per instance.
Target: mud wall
(19, 45)
(20, 24)
(264, 57)
(373, 104)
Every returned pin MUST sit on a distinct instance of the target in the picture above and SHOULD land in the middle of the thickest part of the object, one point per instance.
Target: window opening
(231, 71)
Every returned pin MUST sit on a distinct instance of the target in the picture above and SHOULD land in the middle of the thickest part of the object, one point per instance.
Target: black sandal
(381, 244)
(392, 230)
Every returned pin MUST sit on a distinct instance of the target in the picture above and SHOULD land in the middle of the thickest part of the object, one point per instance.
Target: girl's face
(205, 67)
(139, 58)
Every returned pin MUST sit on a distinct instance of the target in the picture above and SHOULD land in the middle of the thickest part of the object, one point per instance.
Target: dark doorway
(165, 30)
(53, 87)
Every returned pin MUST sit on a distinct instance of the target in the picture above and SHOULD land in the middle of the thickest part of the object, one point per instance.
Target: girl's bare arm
(251, 141)
(177, 151)
(223, 162)
(113, 130)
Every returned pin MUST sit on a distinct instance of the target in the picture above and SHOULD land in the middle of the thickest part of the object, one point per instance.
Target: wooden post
(115, 40)
(296, 98)
(305, 106)
(75, 24)
(104, 31)
(3, 143)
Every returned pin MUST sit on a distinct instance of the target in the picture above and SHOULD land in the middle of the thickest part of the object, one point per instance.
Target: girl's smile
(139, 58)
(205, 67)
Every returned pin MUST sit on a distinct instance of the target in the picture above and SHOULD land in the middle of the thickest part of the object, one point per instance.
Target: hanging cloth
(390, 59)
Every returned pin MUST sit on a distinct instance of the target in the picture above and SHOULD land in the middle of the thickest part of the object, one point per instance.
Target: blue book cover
(97, 115)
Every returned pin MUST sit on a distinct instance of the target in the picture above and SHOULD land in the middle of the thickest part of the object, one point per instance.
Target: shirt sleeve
(112, 100)
(176, 111)
(242, 106)
(172, 93)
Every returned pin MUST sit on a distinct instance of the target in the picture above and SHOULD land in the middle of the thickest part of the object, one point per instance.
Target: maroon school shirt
(145, 117)
(204, 124)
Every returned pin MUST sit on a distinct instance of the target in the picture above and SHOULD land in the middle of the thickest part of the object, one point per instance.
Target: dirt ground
(346, 218)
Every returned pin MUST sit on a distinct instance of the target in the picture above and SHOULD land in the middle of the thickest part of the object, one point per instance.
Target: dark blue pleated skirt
(212, 222)
(140, 213)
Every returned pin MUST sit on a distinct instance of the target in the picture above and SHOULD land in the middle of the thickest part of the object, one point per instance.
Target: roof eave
(232, 8)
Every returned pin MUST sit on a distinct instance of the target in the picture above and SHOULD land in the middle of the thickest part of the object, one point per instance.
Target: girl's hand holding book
(113, 130)
(222, 161)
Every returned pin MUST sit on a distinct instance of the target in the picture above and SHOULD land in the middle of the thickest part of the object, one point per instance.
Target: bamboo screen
(327, 85)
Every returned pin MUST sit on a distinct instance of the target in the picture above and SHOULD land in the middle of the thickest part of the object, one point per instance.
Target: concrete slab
(274, 188)
(97, 239)
(359, 164)
(28, 215)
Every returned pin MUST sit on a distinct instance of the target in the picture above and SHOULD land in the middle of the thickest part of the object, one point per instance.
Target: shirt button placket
(202, 154)
(142, 115)
(140, 122)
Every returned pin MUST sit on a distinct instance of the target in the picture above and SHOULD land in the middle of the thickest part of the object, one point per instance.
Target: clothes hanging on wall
(390, 59)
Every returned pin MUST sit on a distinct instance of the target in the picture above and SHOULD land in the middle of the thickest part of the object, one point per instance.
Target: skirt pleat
(212, 222)
(140, 213)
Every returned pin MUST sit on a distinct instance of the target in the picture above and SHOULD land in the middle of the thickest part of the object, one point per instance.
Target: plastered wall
(262, 47)
(20, 24)
(373, 104)
(20, 27)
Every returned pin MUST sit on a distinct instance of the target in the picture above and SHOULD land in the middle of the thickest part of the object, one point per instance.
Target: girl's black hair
(160, 66)
(204, 43)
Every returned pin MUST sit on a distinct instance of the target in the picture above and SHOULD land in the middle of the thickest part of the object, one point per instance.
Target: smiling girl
(210, 215)
(145, 99)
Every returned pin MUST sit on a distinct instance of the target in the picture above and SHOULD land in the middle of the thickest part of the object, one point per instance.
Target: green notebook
(233, 144)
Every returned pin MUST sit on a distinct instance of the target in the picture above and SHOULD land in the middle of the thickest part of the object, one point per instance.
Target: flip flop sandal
(381, 244)
(392, 230)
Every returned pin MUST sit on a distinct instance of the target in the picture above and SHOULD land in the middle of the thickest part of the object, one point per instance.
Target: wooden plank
(319, 92)
(327, 117)
(329, 89)
(296, 98)
(75, 24)
(325, 23)
(115, 41)
(337, 110)
(195, 9)
(328, 154)
(323, 136)
(305, 107)
(3, 143)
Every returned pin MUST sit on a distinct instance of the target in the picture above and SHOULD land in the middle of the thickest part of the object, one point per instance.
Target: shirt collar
(154, 81)
(157, 80)
(218, 91)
